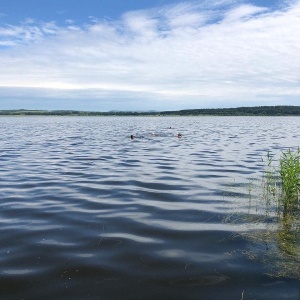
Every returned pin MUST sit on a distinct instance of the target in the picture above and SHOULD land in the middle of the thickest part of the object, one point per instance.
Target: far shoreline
(238, 111)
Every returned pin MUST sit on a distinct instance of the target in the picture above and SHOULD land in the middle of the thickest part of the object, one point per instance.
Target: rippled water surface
(88, 213)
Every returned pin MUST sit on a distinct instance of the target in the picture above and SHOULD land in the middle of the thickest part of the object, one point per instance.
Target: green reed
(283, 182)
(289, 169)
(277, 200)
(281, 186)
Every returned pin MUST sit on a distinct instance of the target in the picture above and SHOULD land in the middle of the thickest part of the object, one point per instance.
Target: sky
(140, 55)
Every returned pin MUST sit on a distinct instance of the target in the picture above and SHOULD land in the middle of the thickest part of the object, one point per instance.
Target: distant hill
(238, 111)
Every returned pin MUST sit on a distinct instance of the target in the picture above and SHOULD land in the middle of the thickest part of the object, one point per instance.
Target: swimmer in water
(132, 136)
(179, 135)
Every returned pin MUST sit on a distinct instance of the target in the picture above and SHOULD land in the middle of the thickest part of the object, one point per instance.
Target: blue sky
(148, 55)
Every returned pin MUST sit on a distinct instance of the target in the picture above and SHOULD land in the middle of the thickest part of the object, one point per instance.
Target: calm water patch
(88, 213)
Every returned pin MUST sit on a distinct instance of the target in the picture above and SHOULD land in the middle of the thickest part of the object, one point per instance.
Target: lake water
(88, 213)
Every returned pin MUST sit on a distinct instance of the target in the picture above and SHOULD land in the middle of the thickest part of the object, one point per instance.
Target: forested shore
(238, 111)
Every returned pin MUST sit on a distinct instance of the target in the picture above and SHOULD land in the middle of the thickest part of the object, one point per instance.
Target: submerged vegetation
(290, 179)
(283, 181)
(282, 186)
(277, 244)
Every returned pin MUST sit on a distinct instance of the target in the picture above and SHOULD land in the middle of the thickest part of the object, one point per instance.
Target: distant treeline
(239, 111)
(245, 111)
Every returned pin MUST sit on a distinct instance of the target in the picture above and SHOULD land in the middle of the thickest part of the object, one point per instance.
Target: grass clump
(289, 169)
(282, 183)
(277, 209)
(281, 196)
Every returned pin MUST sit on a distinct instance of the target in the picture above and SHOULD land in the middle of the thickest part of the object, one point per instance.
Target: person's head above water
(132, 136)
(179, 135)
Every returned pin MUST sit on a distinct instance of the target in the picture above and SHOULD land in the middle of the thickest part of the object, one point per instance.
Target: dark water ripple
(87, 213)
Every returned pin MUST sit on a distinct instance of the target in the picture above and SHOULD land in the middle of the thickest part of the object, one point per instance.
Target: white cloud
(69, 21)
(28, 32)
(243, 12)
(49, 28)
(139, 22)
(185, 55)
(6, 43)
(185, 15)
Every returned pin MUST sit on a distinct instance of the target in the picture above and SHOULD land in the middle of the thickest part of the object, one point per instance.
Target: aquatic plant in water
(289, 170)
(278, 244)
(283, 181)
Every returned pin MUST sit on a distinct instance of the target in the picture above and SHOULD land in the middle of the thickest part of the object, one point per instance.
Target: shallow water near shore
(88, 213)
